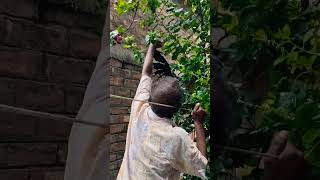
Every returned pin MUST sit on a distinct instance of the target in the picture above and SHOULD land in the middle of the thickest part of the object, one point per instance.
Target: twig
(134, 17)
(245, 151)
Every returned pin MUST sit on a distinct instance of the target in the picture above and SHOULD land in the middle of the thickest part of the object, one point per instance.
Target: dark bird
(162, 67)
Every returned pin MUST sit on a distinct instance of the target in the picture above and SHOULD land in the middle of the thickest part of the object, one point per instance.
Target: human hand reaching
(198, 114)
(290, 164)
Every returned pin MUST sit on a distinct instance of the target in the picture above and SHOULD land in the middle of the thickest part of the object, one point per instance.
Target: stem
(302, 49)
(134, 16)
(312, 149)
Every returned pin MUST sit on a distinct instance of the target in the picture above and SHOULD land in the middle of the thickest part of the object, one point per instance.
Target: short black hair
(166, 90)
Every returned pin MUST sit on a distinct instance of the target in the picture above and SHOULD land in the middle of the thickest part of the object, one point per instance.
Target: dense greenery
(276, 59)
(184, 29)
(274, 78)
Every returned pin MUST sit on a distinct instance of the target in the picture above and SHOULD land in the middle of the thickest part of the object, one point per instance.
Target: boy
(155, 148)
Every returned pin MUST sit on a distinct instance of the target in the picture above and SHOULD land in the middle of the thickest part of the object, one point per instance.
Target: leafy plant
(277, 48)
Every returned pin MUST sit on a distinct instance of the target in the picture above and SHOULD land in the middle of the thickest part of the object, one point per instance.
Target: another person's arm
(290, 164)
(198, 117)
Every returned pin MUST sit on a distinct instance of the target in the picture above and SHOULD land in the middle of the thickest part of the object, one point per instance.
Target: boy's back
(155, 147)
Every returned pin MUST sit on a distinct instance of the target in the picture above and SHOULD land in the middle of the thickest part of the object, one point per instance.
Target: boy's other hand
(198, 114)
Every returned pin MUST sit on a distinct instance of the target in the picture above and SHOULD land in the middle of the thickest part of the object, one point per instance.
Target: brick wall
(47, 55)
(124, 80)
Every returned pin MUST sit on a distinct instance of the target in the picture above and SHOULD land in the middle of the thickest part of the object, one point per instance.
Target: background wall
(47, 54)
(124, 80)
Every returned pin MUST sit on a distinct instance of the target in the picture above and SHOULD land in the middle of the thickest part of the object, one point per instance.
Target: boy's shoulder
(178, 133)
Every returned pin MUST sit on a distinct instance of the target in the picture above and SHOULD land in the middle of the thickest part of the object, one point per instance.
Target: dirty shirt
(156, 149)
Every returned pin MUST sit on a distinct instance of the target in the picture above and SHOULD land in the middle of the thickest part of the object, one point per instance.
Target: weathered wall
(47, 55)
(124, 80)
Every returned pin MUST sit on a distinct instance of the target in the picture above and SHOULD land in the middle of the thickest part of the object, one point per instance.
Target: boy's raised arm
(148, 61)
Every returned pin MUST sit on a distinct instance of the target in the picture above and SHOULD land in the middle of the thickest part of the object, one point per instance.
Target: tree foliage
(278, 46)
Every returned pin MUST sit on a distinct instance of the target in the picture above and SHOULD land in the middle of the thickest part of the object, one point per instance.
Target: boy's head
(166, 90)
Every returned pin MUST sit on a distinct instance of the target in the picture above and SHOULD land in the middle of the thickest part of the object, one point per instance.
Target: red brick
(62, 153)
(63, 16)
(74, 97)
(55, 39)
(115, 165)
(116, 81)
(118, 72)
(31, 154)
(90, 22)
(126, 102)
(3, 30)
(28, 35)
(115, 63)
(136, 75)
(133, 92)
(16, 125)
(120, 110)
(120, 155)
(14, 174)
(84, 45)
(113, 157)
(128, 66)
(115, 101)
(118, 146)
(127, 73)
(59, 16)
(118, 128)
(120, 91)
(3, 155)
(19, 63)
(52, 173)
(7, 91)
(131, 83)
(121, 137)
(116, 119)
(40, 96)
(51, 128)
(113, 173)
(69, 69)
(24, 34)
(18, 8)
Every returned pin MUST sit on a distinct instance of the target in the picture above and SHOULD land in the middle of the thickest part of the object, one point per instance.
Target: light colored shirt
(156, 149)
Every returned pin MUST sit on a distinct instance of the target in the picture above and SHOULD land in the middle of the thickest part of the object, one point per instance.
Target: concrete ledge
(124, 55)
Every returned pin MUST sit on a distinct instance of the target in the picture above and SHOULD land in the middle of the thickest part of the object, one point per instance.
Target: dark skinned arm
(198, 118)
(148, 61)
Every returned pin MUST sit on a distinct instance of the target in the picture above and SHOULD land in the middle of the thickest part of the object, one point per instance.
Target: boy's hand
(198, 114)
(158, 44)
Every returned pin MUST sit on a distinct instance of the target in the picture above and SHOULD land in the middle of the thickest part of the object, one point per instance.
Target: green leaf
(114, 33)
(308, 35)
(279, 60)
(153, 5)
(286, 31)
(261, 35)
(304, 115)
(310, 136)
(120, 29)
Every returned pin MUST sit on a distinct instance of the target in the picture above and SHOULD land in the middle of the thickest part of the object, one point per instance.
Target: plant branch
(134, 16)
